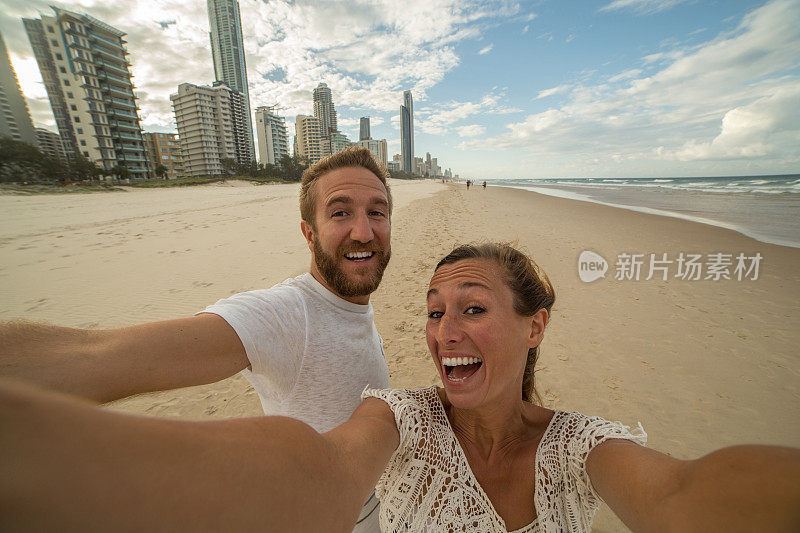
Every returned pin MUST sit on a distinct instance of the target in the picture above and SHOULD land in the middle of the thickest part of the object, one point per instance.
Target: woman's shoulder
(583, 432)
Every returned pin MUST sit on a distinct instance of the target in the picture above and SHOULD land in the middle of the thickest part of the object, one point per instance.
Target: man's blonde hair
(355, 156)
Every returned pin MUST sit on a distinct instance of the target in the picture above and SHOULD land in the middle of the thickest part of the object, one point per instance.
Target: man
(308, 345)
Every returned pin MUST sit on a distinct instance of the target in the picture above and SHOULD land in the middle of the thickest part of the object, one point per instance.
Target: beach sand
(701, 364)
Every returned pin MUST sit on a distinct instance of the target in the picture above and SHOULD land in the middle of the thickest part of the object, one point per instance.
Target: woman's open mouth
(458, 369)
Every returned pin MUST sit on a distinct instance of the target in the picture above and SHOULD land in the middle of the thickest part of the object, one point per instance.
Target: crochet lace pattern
(429, 486)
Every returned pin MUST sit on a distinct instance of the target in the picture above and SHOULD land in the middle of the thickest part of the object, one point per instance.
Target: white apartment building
(211, 126)
(273, 141)
(86, 72)
(307, 141)
(378, 148)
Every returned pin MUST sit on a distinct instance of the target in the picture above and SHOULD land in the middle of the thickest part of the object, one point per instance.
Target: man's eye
(377, 214)
(435, 314)
(474, 310)
(338, 214)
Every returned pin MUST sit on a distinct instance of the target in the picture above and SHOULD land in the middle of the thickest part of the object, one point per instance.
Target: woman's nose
(449, 329)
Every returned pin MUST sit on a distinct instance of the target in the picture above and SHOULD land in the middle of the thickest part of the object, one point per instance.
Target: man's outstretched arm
(68, 465)
(105, 365)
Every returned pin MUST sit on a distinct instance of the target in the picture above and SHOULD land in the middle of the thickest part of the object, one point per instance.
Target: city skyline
(634, 88)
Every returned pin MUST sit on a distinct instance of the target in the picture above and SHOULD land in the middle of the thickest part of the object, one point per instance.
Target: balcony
(115, 68)
(120, 102)
(116, 43)
(109, 54)
(123, 125)
(128, 136)
(132, 158)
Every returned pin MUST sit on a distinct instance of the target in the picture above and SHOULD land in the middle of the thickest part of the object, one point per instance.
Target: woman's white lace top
(428, 484)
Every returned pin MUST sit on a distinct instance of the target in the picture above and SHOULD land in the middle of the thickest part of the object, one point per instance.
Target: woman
(476, 455)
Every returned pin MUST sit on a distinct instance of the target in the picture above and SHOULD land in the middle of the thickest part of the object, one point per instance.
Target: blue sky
(622, 88)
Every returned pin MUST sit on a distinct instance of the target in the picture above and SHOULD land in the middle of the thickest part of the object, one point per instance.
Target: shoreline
(747, 232)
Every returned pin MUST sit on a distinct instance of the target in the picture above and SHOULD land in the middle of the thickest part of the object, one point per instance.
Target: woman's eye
(435, 314)
(474, 310)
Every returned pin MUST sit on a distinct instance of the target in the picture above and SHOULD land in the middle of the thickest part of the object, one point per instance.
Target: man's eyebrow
(344, 199)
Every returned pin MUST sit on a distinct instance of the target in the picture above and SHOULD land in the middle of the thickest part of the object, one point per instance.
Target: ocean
(766, 208)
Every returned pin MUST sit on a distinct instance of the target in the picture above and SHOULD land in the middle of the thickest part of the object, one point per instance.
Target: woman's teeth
(456, 361)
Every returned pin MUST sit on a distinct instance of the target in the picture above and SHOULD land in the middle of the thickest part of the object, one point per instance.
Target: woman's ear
(538, 322)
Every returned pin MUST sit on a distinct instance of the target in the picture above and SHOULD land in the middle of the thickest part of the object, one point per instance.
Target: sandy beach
(701, 364)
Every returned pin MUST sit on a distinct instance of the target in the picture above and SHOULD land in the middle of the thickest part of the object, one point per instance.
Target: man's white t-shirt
(311, 352)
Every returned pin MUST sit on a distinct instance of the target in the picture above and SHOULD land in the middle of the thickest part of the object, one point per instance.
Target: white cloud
(486, 49)
(437, 120)
(553, 90)
(735, 96)
(644, 7)
(473, 130)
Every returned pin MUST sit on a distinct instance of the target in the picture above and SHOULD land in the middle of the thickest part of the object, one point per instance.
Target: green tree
(80, 167)
(121, 172)
(161, 171)
(292, 167)
(20, 161)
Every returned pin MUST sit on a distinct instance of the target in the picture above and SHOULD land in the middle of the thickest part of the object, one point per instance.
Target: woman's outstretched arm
(740, 488)
(68, 465)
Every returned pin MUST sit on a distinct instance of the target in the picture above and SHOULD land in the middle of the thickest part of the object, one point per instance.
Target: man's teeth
(456, 361)
(358, 255)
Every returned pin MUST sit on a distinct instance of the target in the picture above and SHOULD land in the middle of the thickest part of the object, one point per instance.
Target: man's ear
(308, 232)
(538, 322)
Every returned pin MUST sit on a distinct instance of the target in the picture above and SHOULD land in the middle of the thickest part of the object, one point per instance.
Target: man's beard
(328, 266)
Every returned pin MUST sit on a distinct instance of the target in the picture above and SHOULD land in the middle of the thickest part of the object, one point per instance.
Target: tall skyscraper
(211, 124)
(273, 142)
(15, 120)
(86, 73)
(227, 49)
(363, 133)
(407, 132)
(324, 111)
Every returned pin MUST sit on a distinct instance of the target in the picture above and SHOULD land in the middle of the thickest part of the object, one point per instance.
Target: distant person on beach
(308, 345)
(484, 185)
(468, 184)
(480, 454)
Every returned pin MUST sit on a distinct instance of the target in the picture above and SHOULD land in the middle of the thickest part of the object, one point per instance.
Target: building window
(53, 42)
(50, 29)
(73, 107)
(85, 154)
(76, 119)
(80, 131)
(62, 70)
(69, 95)
(66, 82)
(83, 143)
(59, 57)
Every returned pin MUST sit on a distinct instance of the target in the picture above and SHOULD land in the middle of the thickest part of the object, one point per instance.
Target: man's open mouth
(459, 369)
(358, 256)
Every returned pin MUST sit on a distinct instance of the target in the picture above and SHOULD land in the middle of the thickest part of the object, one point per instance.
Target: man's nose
(361, 230)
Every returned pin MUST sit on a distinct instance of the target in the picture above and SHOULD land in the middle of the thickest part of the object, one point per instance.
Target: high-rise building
(339, 142)
(307, 141)
(273, 142)
(15, 119)
(363, 133)
(378, 147)
(164, 149)
(324, 110)
(86, 73)
(50, 144)
(227, 49)
(211, 125)
(407, 131)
